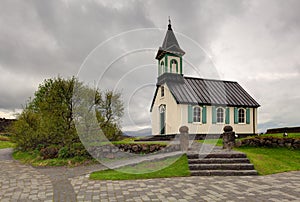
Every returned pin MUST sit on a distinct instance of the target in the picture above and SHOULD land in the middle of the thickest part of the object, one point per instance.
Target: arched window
(162, 108)
(220, 115)
(197, 114)
(241, 115)
(162, 66)
(162, 91)
(173, 66)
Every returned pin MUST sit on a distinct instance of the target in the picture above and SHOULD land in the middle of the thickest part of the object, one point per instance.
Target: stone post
(228, 138)
(184, 138)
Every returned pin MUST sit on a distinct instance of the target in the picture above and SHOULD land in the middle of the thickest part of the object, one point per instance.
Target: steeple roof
(170, 44)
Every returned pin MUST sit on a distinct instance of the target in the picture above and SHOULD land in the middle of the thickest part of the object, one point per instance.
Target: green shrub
(49, 152)
(63, 153)
(77, 149)
(73, 150)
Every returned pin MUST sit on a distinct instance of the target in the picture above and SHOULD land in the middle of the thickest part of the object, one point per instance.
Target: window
(162, 91)
(162, 66)
(220, 115)
(162, 108)
(197, 114)
(173, 66)
(241, 115)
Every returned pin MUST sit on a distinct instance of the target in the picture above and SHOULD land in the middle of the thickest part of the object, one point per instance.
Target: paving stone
(13, 177)
(24, 183)
(235, 188)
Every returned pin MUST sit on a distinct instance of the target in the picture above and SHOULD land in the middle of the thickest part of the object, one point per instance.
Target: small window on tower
(162, 66)
(174, 67)
(162, 91)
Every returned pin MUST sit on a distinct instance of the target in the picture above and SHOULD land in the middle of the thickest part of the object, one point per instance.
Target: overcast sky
(253, 42)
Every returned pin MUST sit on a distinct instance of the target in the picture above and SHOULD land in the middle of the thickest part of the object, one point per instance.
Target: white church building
(205, 106)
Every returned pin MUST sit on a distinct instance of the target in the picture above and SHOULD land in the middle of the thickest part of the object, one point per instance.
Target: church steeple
(169, 55)
(169, 25)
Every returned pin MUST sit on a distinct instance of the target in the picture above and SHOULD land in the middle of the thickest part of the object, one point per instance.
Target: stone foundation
(272, 142)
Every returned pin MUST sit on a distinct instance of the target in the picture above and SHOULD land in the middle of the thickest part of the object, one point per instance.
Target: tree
(108, 113)
(48, 119)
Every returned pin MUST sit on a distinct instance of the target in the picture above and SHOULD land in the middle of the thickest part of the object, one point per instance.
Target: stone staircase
(219, 162)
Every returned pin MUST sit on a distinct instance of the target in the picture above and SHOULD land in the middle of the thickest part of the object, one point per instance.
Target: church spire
(169, 25)
(170, 44)
(169, 55)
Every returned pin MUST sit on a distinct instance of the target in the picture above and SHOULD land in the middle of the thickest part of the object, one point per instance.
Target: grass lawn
(34, 159)
(272, 160)
(290, 135)
(178, 169)
(217, 142)
(5, 142)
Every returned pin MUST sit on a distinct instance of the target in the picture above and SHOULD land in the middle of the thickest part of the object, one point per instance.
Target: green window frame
(195, 116)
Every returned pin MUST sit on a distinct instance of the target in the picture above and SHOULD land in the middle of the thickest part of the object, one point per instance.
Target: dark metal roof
(189, 90)
(170, 45)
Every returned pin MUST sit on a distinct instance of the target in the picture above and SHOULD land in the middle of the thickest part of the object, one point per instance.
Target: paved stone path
(279, 187)
(25, 183)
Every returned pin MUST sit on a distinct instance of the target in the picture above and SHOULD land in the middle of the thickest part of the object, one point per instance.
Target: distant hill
(138, 133)
(284, 130)
(5, 123)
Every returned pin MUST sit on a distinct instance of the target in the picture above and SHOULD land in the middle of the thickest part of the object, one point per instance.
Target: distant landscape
(4, 124)
(138, 133)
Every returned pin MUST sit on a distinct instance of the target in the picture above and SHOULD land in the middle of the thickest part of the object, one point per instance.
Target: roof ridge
(191, 77)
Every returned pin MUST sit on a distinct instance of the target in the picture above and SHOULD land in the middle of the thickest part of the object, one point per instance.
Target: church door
(162, 112)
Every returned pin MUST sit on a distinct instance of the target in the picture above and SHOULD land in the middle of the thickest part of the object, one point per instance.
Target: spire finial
(169, 26)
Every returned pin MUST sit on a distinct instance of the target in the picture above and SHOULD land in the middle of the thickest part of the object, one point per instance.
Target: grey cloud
(42, 39)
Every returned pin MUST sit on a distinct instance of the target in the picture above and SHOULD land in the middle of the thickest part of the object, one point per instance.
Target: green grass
(290, 135)
(34, 159)
(5, 142)
(217, 142)
(272, 160)
(178, 169)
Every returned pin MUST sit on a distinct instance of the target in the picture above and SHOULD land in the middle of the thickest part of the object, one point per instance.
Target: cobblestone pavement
(278, 187)
(25, 183)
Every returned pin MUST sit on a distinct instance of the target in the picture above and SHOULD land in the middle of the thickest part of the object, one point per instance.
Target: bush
(49, 152)
(77, 149)
(73, 150)
(63, 153)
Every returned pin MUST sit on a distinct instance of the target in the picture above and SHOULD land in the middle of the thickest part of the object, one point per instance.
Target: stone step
(218, 160)
(223, 172)
(232, 166)
(215, 155)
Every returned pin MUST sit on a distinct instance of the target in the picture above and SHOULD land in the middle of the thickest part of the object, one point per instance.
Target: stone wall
(128, 150)
(272, 142)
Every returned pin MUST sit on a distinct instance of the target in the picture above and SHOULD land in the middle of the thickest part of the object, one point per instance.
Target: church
(205, 106)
